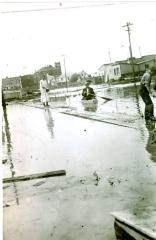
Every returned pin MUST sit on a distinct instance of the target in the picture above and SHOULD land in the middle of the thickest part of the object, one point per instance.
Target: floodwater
(108, 167)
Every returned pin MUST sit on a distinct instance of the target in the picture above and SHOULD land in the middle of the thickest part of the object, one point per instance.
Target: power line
(100, 1)
(57, 8)
(55, 2)
(101, 4)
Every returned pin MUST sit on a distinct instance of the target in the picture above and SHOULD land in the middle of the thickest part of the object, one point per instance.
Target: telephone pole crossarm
(130, 46)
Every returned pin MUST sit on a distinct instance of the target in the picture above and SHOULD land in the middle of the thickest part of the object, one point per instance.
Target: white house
(106, 70)
(122, 69)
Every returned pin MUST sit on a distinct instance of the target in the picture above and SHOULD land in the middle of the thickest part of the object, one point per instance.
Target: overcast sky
(30, 40)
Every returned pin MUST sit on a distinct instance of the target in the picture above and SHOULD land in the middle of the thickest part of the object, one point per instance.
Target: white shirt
(146, 78)
(43, 84)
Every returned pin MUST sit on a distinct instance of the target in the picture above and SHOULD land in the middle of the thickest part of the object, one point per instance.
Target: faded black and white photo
(78, 104)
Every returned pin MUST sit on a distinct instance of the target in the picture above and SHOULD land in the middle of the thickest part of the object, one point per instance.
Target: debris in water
(6, 205)
(4, 161)
(97, 178)
(4, 187)
(111, 181)
(53, 231)
(141, 198)
(82, 181)
(95, 174)
(119, 181)
(38, 183)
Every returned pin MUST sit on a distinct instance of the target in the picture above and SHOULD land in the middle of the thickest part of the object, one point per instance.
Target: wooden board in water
(139, 223)
(35, 176)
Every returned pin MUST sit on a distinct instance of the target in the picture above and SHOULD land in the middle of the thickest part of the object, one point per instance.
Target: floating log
(35, 176)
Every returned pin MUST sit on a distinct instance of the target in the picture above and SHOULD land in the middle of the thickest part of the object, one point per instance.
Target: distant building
(145, 58)
(13, 83)
(106, 71)
(123, 69)
(16, 87)
(83, 74)
(50, 70)
(44, 71)
(56, 81)
(12, 87)
(58, 70)
(51, 80)
(149, 63)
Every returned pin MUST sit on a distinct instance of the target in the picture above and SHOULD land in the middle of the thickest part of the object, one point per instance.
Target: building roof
(147, 61)
(104, 65)
(136, 61)
(122, 61)
(145, 58)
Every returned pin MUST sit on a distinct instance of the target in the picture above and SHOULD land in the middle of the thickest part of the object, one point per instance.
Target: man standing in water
(44, 91)
(145, 95)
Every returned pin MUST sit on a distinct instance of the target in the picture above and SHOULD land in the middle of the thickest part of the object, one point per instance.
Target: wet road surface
(108, 167)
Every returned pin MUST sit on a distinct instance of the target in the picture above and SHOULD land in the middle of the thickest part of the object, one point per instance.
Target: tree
(74, 77)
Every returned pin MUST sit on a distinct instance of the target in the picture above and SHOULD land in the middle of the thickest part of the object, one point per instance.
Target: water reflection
(123, 92)
(8, 143)
(49, 121)
(151, 143)
(139, 111)
(137, 101)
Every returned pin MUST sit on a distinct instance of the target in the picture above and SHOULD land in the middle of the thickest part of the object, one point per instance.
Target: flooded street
(109, 156)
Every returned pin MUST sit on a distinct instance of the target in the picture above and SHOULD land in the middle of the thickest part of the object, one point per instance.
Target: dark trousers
(89, 97)
(149, 108)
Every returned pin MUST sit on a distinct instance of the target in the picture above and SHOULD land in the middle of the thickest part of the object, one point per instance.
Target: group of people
(145, 92)
(88, 93)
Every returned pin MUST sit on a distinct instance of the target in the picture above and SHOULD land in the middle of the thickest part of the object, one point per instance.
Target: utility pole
(140, 51)
(109, 54)
(110, 62)
(65, 73)
(128, 24)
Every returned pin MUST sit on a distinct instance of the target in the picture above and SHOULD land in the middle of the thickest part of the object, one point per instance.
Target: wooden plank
(35, 176)
(141, 220)
(130, 232)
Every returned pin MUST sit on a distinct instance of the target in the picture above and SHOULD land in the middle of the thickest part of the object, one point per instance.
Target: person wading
(44, 91)
(145, 95)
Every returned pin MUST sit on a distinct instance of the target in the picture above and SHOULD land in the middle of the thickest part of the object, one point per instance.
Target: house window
(116, 71)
